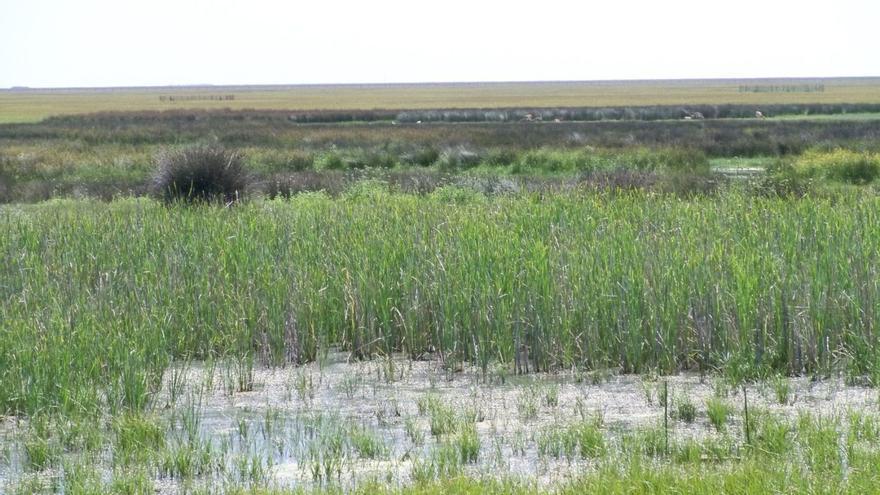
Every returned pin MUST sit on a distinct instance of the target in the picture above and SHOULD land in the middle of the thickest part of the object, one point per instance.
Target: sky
(86, 43)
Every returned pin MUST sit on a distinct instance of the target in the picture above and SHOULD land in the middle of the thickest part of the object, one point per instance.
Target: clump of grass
(41, 452)
(185, 461)
(781, 389)
(528, 403)
(773, 435)
(413, 432)
(686, 409)
(718, 411)
(820, 439)
(700, 451)
(442, 418)
(650, 442)
(200, 174)
(304, 386)
(444, 462)
(468, 442)
(350, 384)
(583, 438)
(251, 470)
(551, 395)
(81, 435)
(137, 438)
(366, 443)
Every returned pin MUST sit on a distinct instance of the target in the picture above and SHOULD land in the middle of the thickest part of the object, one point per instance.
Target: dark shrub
(501, 157)
(621, 179)
(423, 157)
(201, 173)
(287, 185)
(459, 158)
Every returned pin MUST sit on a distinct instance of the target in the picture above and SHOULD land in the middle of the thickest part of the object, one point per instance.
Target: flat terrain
(31, 105)
(337, 425)
(618, 297)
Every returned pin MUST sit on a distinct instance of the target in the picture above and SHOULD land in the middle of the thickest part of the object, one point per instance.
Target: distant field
(31, 105)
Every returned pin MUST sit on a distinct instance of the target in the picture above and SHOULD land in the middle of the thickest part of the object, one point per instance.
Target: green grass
(840, 116)
(718, 411)
(806, 454)
(97, 299)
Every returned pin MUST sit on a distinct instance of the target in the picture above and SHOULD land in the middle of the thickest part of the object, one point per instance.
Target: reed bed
(96, 299)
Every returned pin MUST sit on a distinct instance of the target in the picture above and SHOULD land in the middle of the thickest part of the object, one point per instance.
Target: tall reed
(96, 298)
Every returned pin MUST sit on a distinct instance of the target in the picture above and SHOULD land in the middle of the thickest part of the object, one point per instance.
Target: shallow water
(294, 420)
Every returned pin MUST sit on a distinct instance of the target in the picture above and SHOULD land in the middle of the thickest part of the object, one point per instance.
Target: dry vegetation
(34, 105)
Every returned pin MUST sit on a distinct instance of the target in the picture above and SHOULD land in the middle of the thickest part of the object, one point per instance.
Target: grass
(108, 157)
(31, 106)
(841, 116)
(718, 411)
(100, 300)
(584, 439)
(686, 409)
(746, 269)
(823, 453)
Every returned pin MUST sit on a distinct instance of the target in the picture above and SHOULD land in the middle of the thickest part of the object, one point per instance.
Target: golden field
(31, 105)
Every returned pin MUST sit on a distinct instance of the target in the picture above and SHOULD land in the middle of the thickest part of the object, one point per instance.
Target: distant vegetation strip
(26, 105)
(523, 114)
(714, 137)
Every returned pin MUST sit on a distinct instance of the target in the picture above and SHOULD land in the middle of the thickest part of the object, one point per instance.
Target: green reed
(96, 299)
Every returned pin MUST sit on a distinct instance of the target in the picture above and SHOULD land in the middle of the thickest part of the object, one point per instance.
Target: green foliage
(366, 443)
(687, 410)
(718, 411)
(380, 272)
(329, 160)
(781, 389)
(444, 462)
(840, 165)
(137, 438)
(468, 443)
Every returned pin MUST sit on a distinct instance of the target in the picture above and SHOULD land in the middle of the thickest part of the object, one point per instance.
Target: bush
(330, 160)
(458, 159)
(424, 157)
(200, 173)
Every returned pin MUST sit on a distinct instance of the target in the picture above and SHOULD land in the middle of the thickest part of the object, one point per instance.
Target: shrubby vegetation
(840, 165)
(112, 155)
(201, 173)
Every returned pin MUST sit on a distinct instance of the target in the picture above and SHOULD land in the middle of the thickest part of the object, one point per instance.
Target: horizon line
(431, 83)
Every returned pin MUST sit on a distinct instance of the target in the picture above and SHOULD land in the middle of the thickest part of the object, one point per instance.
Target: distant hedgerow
(201, 174)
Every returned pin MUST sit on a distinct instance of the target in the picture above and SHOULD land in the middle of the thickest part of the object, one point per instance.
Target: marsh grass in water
(207, 282)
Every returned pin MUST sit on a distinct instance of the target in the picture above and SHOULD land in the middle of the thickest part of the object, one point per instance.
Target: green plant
(840, 165)
(468, 442)
(413, 432)
(687, 411)
(527, 403)
(781, 389)
(718, 411)
(551, 395)
(138, 438)
(366, 443)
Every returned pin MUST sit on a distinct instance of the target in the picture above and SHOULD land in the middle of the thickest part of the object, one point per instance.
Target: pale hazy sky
(52, 43)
